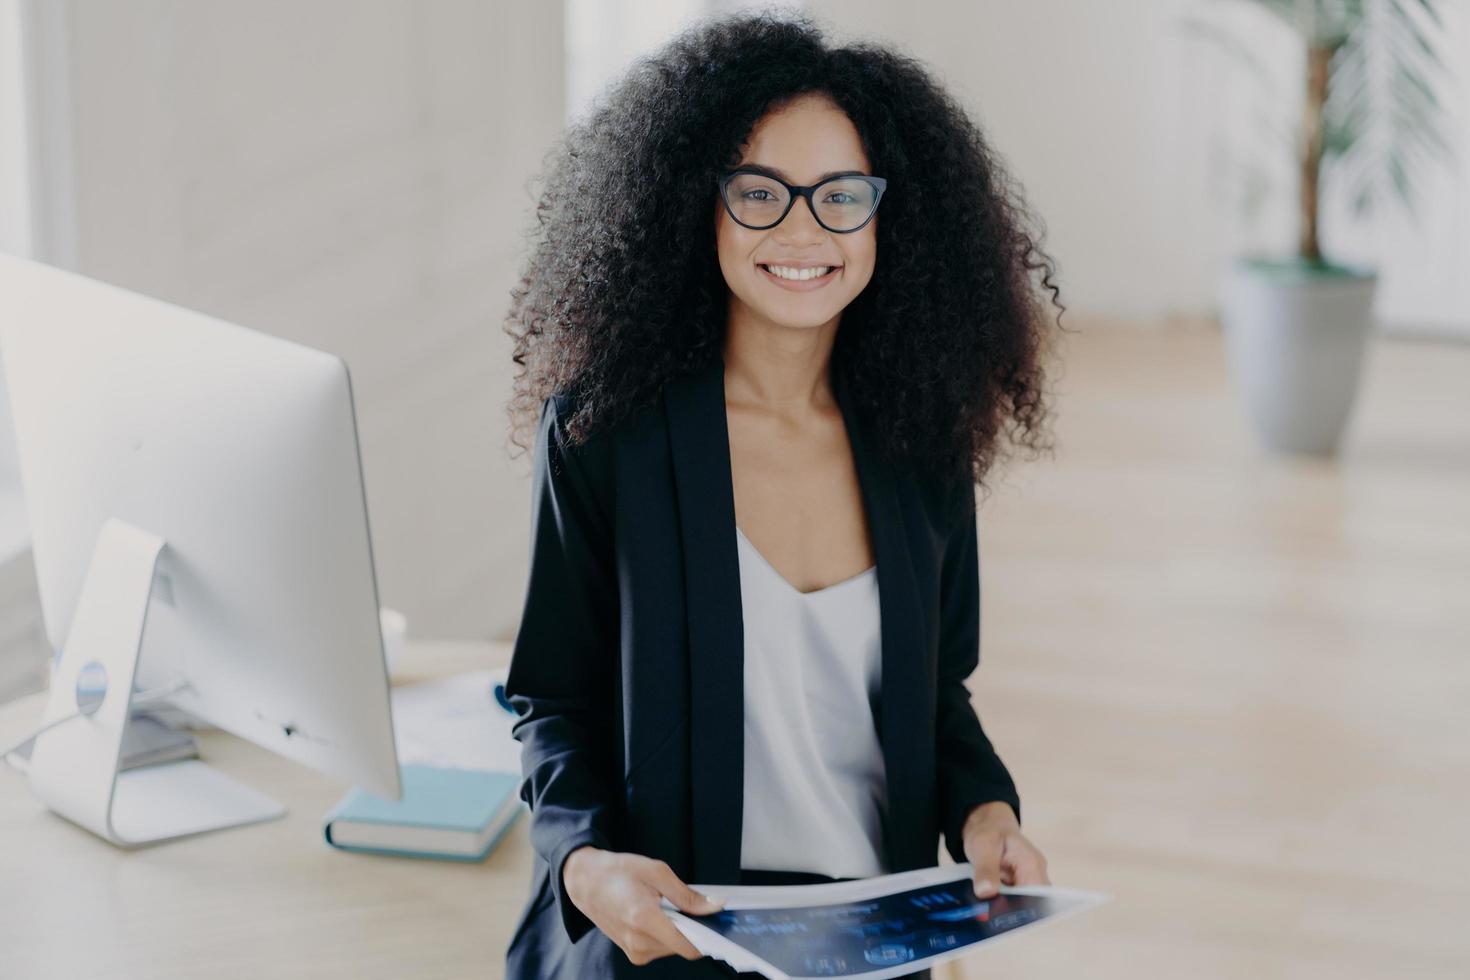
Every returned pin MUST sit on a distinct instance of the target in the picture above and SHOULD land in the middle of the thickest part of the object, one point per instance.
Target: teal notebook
(451, 814)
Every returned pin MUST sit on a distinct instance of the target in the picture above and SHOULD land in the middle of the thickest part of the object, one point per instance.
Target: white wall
(16, 233)
(355, 176)
(604, 37)
(23, 645)
(351, 175)
(1107, 114)
(15, 203)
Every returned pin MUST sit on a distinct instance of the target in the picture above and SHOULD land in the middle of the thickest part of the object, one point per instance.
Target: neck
(780, 369)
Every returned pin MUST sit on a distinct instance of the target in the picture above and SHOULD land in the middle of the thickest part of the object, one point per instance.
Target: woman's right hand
(620, 893)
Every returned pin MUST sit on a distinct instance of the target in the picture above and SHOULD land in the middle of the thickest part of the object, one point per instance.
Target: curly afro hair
(623, 291)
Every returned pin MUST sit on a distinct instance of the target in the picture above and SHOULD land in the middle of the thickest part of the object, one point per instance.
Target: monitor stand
(74, 766)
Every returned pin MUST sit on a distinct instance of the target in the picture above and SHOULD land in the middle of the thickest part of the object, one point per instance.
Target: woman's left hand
(999, 852)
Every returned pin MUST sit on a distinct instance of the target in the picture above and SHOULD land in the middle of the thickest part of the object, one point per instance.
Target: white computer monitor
(198, 520)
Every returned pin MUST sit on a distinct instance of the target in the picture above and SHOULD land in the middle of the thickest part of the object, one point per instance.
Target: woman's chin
(785, 320)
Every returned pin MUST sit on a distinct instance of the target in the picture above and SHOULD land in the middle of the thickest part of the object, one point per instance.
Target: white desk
(267, 901)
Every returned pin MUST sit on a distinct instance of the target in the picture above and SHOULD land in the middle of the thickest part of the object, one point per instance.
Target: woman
(754, 588)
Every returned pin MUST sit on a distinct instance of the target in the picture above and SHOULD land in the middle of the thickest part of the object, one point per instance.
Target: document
(456, 722)
(874, 928)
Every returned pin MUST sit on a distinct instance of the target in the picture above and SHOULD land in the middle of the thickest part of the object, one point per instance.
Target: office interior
(1230, 678)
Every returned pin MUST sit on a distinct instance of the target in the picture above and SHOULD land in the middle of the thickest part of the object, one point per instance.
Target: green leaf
(1405, 22)
(1411, 113)
(1286, 11)
(1417, 80)
(1363, 201)
(1430, 11)
(1348, 83)
(1400, 179)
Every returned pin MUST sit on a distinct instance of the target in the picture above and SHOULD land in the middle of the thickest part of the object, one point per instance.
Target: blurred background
(1226, 626)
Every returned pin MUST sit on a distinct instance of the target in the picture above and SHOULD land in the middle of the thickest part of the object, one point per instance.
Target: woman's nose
(800, 224)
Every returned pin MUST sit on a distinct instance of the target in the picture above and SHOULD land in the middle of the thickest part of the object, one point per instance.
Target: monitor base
(177, 799)
(74, 766)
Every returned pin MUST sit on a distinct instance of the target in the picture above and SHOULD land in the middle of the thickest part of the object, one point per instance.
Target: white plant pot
(1294, 342)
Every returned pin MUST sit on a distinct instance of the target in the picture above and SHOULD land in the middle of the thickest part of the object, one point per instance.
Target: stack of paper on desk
(875, 928)
(456, 721)
(147, 741)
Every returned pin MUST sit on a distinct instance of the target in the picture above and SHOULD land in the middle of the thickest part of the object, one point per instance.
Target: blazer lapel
(906, 677)
(700, 448)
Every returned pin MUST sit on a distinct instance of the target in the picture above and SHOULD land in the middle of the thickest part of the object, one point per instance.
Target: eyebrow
(773, 172)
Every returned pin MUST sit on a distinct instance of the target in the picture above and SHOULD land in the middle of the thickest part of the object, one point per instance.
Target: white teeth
(785, 272)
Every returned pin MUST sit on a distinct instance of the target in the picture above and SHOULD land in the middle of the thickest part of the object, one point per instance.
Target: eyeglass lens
(842, 204)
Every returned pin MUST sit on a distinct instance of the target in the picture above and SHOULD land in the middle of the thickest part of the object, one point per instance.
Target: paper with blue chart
(874, 928)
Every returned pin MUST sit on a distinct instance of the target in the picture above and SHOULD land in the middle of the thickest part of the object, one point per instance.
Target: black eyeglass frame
(794, 193)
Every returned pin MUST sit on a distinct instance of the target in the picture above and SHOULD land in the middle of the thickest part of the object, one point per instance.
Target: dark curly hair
(623, 291)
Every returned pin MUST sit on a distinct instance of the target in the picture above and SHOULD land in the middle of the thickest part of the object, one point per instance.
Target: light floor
(1235, 689)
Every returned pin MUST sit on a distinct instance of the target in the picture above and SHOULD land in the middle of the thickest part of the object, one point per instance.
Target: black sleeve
(562, 673)
(969, 772)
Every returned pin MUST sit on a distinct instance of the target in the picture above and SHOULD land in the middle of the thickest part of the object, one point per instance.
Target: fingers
(1024, 863)
(1029, 868)
(662, 877)
(648, 934)
(651, 934)
(984, 850)
(1003, 855)
(661, 929)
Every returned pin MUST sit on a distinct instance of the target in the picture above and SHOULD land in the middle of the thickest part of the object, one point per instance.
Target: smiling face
(802, 141)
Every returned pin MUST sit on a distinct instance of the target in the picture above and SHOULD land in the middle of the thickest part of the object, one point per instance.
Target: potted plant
(1296, 325)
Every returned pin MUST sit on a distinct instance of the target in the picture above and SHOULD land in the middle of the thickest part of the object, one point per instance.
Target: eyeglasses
(841, 204)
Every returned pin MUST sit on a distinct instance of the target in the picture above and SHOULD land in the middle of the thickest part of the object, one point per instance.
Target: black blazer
(627, 669)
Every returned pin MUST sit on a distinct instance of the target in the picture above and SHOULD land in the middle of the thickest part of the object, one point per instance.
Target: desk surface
(268, 900)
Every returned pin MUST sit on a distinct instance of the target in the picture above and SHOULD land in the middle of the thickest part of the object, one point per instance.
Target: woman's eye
(758, 190)
(839, 194)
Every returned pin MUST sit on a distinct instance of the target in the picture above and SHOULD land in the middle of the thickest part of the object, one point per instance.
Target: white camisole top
(814, 779)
